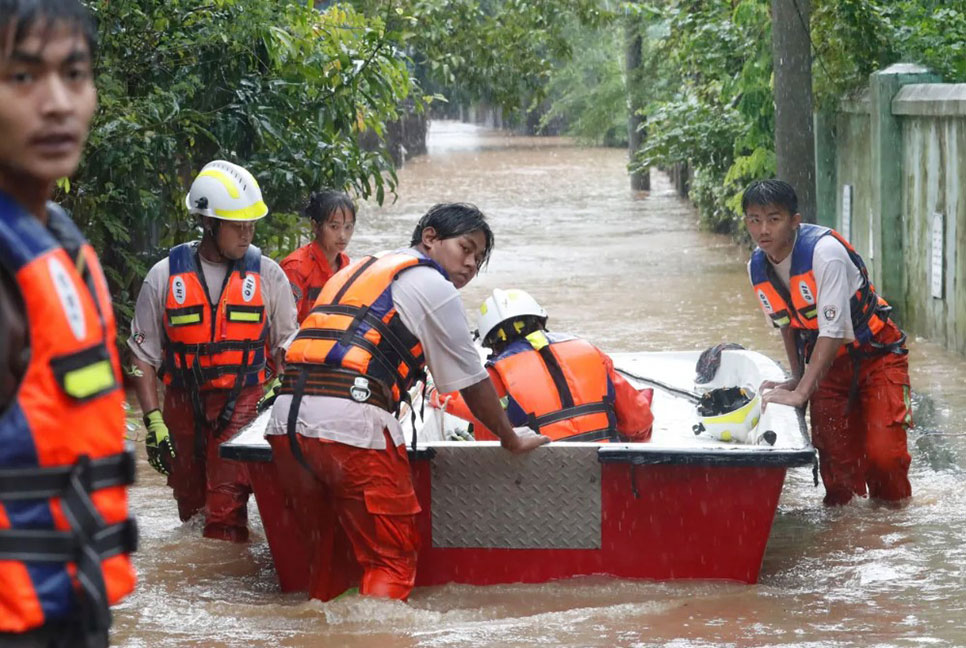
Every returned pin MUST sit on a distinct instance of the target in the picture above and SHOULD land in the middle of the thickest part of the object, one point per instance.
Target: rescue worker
(848, 359)
(560, 385)
(205, 319)
(309, 267)
(65, 535)
(336, 441)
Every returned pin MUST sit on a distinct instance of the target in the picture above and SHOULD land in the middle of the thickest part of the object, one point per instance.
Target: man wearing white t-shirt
(375, 327)
(848, 359)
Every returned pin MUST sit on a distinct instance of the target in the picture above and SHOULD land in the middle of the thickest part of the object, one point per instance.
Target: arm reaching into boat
(484, 403)
(796, 392)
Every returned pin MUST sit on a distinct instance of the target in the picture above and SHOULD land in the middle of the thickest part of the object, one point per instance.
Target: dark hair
(770, 192)
(24, 15)
(455, 219)
(323, 204)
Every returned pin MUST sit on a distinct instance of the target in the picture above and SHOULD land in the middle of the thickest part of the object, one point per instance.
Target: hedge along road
(630, 273)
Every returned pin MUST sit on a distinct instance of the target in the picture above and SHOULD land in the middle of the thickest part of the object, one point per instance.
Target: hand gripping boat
(682, 506)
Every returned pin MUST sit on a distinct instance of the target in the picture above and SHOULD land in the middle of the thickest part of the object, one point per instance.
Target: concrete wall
(934, 182)
(901, 149)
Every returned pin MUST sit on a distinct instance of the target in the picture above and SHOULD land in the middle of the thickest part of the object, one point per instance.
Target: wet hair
(770, 192)
(455, 219)
(323, 204)
(24, 15)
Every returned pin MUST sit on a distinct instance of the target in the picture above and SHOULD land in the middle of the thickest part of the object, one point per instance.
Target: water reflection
(630, 273)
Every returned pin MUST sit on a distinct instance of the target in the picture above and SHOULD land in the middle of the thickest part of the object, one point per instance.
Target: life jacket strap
(362, 314)
(44, 483)
(538, 422)
(46, 545)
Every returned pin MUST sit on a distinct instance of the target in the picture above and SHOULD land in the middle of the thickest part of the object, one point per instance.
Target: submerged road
(630, 273)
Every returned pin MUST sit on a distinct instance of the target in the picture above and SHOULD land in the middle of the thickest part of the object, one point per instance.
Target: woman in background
(308, 268)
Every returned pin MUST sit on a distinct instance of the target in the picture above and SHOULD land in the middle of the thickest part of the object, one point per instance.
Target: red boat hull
(658, 522)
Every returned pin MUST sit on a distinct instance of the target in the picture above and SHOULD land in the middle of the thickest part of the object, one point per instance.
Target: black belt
(322, 380)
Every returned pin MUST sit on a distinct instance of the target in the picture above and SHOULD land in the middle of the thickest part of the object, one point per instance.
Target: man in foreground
(65, 537)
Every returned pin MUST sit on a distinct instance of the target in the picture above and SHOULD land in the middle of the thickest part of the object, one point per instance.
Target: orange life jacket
(307, 270)
(354, 327)
(64, 528)
(218, 346)
(798, 308)
(558, 386)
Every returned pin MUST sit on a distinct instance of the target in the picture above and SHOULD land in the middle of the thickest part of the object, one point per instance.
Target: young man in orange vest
(65, 535)
(205, 321)
(334, 432)
(562, 386)
(848, 359)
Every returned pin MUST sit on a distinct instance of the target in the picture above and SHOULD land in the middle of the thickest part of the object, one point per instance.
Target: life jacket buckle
(360, 389)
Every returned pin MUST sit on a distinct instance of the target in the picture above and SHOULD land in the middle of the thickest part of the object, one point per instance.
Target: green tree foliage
(714, 107)
(276, 86)
(587, 92)
(854, 38)
(717, 112)
(500, 52)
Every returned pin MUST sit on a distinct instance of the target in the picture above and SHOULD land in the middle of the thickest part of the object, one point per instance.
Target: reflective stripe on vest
(61, 439)
(210, 348)
(869, 312)
(355, 325)
(559, 386)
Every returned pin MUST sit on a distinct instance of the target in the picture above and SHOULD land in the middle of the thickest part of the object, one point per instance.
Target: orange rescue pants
(219, 486)
(362, 495)
(863, 444)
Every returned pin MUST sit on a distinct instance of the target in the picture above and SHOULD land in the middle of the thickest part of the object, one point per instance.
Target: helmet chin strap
(209, 241)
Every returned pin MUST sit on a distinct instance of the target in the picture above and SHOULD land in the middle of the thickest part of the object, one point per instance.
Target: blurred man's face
(47, 99)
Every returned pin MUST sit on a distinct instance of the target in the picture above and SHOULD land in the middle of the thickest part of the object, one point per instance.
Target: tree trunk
(794, 136)
(633, 42)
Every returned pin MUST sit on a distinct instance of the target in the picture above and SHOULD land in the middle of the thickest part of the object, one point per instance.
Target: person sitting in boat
(560, 385)
(337, 443)
(309, 267)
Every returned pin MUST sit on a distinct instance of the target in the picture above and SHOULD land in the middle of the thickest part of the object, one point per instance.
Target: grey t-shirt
(146, 327)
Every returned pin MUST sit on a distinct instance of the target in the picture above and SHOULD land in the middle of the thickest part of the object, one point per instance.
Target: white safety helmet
(739, 425)
(226, 191)
(505, 305)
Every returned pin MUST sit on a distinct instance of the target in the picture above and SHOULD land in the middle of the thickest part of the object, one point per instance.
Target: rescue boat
(686, 505)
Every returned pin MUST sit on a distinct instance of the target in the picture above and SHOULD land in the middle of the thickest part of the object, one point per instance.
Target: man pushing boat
(336, 440)
(848, 359)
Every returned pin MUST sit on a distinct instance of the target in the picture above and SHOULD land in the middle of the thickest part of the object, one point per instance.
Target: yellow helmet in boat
(730, 414)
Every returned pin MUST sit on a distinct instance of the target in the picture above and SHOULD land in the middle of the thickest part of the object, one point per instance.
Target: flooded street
(630, 274)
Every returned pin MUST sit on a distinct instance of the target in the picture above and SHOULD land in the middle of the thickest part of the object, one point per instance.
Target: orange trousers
(218, 486)
(356, 494)
(862, 445)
